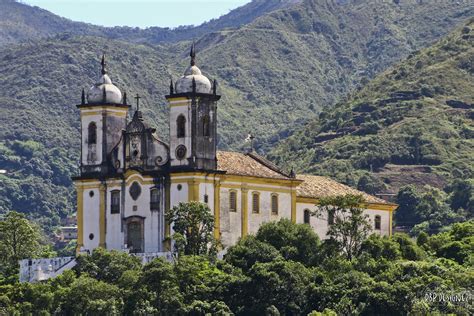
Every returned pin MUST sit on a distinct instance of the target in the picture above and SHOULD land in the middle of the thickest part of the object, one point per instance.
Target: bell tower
(103, 116)
(193, 120)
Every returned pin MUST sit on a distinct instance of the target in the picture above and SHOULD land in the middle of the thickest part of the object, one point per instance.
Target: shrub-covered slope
(411, 124)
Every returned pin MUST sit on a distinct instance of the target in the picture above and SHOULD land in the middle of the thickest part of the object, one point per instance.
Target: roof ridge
(267, 163)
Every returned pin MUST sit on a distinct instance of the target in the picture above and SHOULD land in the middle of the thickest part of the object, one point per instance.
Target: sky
(139, 13)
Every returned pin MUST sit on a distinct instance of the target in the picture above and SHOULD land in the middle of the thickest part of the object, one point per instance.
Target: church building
(129, 176)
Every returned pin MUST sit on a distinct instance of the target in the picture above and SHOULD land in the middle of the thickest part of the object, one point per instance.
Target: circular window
(181, 152)
(91, 193)
(91, 236)
(180, 187)
(117, 164)
(135, 190)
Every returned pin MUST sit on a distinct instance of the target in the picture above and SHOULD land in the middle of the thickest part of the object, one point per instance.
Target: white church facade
(129, 176)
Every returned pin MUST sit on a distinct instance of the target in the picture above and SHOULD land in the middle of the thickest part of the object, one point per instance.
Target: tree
(250, 250)
(408, 200)
(462, 195)
(296, 242)
(19, 239)
(350, 226)
(107, 266)
(193, 226)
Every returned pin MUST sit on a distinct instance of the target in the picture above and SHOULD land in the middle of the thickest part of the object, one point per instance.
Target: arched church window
(255, 202)
(274, 204)
(115, 202)
(307, 216)
(92, 133)
(154, 199)
(181, 126)
(233, 201)
(378, 222)
(206, 129)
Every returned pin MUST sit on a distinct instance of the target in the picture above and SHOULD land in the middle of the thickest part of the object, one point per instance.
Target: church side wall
(91, 203)
(265, 214)
(320, 225)
(235, 224)
(230, 222)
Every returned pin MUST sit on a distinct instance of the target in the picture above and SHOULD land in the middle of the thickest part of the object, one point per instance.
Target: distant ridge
(21, 22)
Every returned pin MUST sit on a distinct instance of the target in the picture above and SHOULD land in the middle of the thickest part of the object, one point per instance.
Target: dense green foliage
(193, 228)
(19, 239)
(271, 273)
(432, 209)
(275, 70)
(413, 124)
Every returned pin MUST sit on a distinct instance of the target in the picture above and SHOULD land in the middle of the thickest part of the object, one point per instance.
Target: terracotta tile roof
(318, 187)
(248, 165)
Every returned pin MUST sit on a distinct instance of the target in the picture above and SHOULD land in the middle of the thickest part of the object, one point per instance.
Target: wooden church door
(135, 236)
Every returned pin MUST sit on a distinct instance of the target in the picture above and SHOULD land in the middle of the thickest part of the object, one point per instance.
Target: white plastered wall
(91, 218)
(153, 220)
(85, 121)
(265, 214)
(207, 189)
(180, 108)
(320, 225)
(230, 222)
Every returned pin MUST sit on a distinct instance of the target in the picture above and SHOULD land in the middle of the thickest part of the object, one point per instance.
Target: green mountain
(20, 22)
(413, 124)
(275, 73)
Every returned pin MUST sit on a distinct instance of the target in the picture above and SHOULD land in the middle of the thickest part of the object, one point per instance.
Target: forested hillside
(413, 124)
(274, 73)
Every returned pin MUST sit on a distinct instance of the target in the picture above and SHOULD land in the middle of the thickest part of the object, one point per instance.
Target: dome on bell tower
(193, 80)
(104, 91)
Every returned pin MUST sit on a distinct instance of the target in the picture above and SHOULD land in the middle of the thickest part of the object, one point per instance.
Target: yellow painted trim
(94, 113)
(193, 190)
(167, 243)
(258, 180)
(171, 99)
(90, 186)
(80, 218)
(102, 210)
(189, 174)
(244, 208)
(256, 188)
(293, 205)
(372, 206)
(185, 180)
(143, 182)
(240, 178)
(217, 208)
(390, 223)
